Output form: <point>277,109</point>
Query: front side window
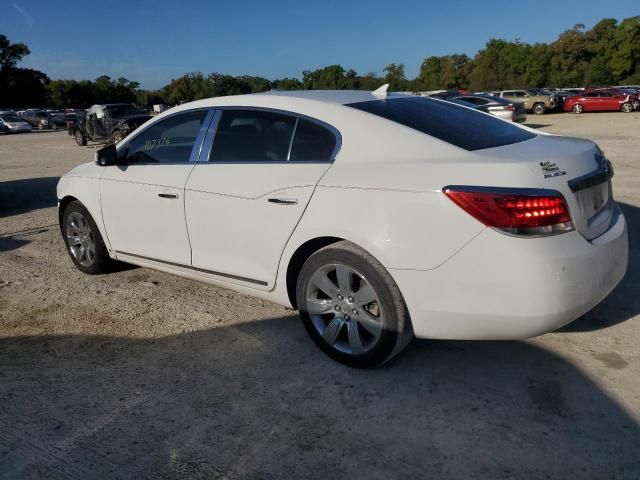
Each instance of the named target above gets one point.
<point>312,142</point>
<point>252,136</point>
<point>167,141</point>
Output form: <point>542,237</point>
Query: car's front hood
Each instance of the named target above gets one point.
<point>139,118</point>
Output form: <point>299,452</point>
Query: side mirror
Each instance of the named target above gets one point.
<point>107,156</point>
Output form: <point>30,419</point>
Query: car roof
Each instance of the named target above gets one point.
<point>339,97</point>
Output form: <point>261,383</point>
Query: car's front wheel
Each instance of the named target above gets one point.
<point>577,108</point>
<point>351,306</point>
<point>627,107</point>
<point>83,240</point>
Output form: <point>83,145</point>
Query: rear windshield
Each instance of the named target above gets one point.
<point>445,121</point>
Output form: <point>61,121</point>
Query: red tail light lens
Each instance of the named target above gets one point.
<point>516,211</point>
<point>509,107</point>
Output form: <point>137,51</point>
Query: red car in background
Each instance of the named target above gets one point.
<point>602,100</point>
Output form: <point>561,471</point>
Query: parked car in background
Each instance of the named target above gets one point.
<point>109,122</point>
<point>533,101</point>
<point>601,100</point>
<point>36,118</point>
<point>496,106</point>
<point>11,123</point>
<point>63,119</point>
<point>379,217</point>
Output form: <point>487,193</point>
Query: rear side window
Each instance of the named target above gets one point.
<point>459,126</point>
<point>252,136</point>
<point>312,142</point>
<point>168,141</point>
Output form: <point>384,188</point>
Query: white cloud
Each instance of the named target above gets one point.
<point>27,17</point>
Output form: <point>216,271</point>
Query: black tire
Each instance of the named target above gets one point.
<point>539,109</point>
<point>577,108</point>
<point>627,107</point>
<point>396,332</point>
<point>101,262</point>
<point>116,137</point>
<point>81,141</point>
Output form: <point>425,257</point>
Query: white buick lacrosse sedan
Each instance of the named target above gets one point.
<point>379,217</point>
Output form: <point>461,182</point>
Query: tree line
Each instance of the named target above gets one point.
<point>606,54</point>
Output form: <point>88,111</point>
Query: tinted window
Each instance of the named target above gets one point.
<point>169,140</point>
<point>445,121</point>
<point>508,93</point>
<point>474,100</point>
<point>252,136</point>
<point>312,142</point>
<point>520,94</point>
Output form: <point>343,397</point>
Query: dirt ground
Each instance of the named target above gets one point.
<point>138,374</point>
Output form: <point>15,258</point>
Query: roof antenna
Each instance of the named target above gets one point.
<point>381,91</point>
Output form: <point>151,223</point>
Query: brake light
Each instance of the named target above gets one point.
<point>516,211</point>
<point>509,107</point>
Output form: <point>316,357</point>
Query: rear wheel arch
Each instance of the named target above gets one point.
<point>299,257</point>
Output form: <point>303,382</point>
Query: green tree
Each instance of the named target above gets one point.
<point>394,76</point>
<point>11,53</point>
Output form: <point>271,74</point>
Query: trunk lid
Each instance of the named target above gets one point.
<point>575,167</point>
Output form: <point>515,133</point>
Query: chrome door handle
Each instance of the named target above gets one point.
<point>168,195</point>
<point>283,201</point>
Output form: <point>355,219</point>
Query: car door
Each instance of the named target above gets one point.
<point>101,119</point>
<point>245,199</point>
<point>590,102</point>
<point>608,101</point>
<point>143,198</point>
<point>524,98</point>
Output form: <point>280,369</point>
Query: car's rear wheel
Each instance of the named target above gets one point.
<point>627,107</point>
<point>539,109</point>
<point>80,140</point>
<point>577,108</point>
<point>83,240</point>
<point>351,307</point>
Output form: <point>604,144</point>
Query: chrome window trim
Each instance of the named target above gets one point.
<point>208,144</point>
<point>293,136</point>
<point>205,151</point>
<point>197,145</point>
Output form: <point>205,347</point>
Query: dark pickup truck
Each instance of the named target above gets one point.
<point>110,122</point>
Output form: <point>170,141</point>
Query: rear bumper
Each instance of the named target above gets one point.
<point>500,287</point>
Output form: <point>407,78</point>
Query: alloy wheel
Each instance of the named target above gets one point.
<point>80,239</point>
<point>344,308</point>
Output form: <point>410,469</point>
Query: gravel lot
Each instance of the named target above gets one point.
<point>138,374</point>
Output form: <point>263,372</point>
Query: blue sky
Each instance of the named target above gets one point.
<point>154,41</point>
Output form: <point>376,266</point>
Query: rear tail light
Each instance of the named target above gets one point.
<point>509,107</point>
<point>526,212</point>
